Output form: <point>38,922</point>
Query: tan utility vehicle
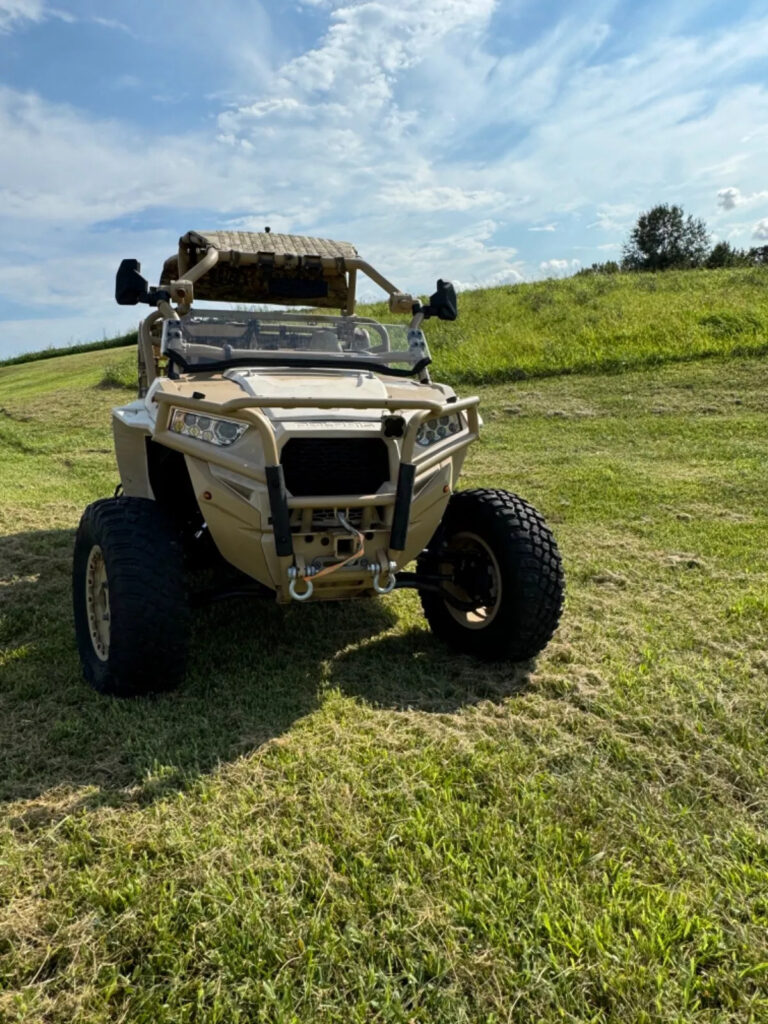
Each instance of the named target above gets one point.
<point>311,452</point>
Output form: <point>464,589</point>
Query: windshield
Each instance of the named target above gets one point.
<point>218,339</point>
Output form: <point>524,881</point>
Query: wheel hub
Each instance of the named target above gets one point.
<point>473,572</point>
<point>474,593</point>
<point>97,603</point>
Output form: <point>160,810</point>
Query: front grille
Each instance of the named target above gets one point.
<point>335,465</point>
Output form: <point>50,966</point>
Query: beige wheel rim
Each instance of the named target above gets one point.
<point>97,602</point>
<point>482,616</point>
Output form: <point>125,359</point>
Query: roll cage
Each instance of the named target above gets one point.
<point>255,268</point>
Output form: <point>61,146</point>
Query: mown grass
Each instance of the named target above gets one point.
<point>336,819</point>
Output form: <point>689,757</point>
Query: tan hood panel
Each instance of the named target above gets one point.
<point>355,383</point>
<point>330,385</point>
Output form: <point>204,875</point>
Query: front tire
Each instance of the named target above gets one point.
<point>131,612</point>
<point>504,584</point>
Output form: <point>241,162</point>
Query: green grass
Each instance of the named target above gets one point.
<point>335,819</point>
<point>120,341</point>
<point>603,323</point>
<point>583,325</point>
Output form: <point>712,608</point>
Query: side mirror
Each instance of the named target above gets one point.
<point>130,286</point>
<point>443,303</point>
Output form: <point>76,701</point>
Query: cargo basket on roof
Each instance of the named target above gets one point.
<point>267,267</point>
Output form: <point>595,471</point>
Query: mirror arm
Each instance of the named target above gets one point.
<point>157,295</point>
<point>417,311</point>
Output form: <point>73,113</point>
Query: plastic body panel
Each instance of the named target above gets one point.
<point>230,483</point>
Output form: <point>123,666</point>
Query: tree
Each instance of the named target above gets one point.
<point>664,238</point>
<point>610,267</point>
<point>758,256</point>
<point>725,255</point>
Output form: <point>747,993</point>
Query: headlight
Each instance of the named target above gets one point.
<point>438,429</point>
<point>213,429</point>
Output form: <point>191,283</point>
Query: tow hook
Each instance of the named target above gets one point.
<point>382,568</point>
<point>294,575</point>
<point>389,575</point>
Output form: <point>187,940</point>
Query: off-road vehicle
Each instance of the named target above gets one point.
<point>310,452</point>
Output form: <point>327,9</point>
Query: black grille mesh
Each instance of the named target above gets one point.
<point>335,465</point>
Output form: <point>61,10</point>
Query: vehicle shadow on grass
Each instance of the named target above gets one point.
<point>254,670</point>
<point>413,671</point>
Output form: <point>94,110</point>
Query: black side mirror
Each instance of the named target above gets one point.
<point>130,286</point>
<point>443,303</point>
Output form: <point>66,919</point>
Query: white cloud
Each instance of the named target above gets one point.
<point>730,198</point>
<point>643,126</point>
<point>351,78</point>
<point>559,268</point>
<point>277,105</point>
<point>63,285</point>
<point>119,26</point>
<point>760,230</point>
<point>439,197</point>
<point>468,257</point>
<point>614,216</point>
<point>61,168</point>
<point>15,12</point>
<point>544,227</point>
<point>510,276</point>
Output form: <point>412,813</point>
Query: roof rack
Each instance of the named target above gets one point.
<point>266,267</point>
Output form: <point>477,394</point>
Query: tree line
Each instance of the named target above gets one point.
<point>665,239</point>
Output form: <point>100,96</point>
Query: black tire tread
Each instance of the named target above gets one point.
<point>148,601</point>
<point>533,582</point>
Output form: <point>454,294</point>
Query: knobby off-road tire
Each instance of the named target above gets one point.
<point>132,617</point>
<point>494,543</point>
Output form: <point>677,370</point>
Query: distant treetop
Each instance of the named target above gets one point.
<point>664,239</point>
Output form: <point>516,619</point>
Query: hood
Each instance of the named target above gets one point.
<point>335,386</point>
<point>330,384</point>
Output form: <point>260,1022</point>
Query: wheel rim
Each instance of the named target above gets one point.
<point>484,614</point>
<point>97,603</point>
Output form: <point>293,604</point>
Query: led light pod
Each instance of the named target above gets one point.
<point>213,429</point>
<point>438,429</point>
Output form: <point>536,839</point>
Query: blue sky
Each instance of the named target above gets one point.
<point>486,141</point>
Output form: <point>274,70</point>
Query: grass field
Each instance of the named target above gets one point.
<point>335,819</point>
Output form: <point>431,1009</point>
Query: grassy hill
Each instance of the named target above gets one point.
<point>121,341</point>
<point>335,819</point>
<point>603,323</point>
<point>584,325</point>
